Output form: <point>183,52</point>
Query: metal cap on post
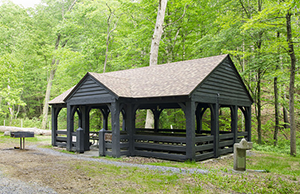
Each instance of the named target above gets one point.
<point>79,140</point>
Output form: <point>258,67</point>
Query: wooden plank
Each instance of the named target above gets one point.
<point>176,157</point>
<point>108,153</point>
<point>204,147</point>
<point>204,156</point>
<point>124,145</point>
<point>108,145</point>
<point>226,136</point>
<point>61,139</point>
<point>226,143</point>
<point>90,93</point>
<point>162,147</point>
<point>61,144</point>
<point>125,153</point>
<point>225,151</point>
<point>159,138</point>
<point>204,139</point>
<point>243,133</point>
<point>91,100</point>
<point>62,132</point>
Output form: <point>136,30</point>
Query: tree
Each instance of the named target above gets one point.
<point>158,31</point>
<point>55,62</point>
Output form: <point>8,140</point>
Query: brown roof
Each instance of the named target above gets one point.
<point>60,99</point>
<point>172,79</point>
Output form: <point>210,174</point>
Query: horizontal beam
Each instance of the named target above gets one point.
<point>160,138</point>
<point>176,157</point>
<point>162,147</point>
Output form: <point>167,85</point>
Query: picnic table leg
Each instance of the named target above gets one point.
<point>23,143</point>
<point>20,143</point>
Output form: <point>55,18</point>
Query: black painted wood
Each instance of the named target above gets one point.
<point>204,156</point>
<point>115,125</point>
<point>162,147</point>
<point>166,156</point>
<point>234,121</point>
<point>190,130</point>
<point>226,82</point>
<point>161,138</point>
<point>204,147</point>
<point>215,127</point>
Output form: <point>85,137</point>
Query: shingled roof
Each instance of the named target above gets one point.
<point>60,99</point>
<point>172,79</point>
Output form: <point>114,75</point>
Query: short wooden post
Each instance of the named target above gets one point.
<point>79,140</point>
<point>102,142</point>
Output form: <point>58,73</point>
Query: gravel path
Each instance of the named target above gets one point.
<point>11,186</point>
<point>150,167</point>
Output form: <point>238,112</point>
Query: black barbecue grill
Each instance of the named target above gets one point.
<point>22,135</point>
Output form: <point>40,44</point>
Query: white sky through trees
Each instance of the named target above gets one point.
<point>26,3</point>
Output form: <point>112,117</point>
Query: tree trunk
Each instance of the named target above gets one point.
<point>158,31</point>
<point>54,64</point>
<point>276,104</point>
<point>259,107</point>
<point>292,84</point>
<point>276,112</point>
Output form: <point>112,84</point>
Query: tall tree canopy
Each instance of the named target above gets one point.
<point>47,49</point>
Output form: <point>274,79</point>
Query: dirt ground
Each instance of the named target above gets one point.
<point>66,175</point>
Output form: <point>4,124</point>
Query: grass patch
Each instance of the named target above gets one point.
<point>277,163</point>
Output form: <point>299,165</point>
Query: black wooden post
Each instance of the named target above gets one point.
<point>124,120</point>
<point>248,122</point>
<point>130,126</point>
<point>189,111</point>
<point>115,125</point>
<point>70,126</point>
<point>234,121</point>
<point>215,127</point>
<point>80,140</point>
<point>198,120</point>
<point>85,124</point>
<point>105,114</point>
<point>102,142</point>
<point>156,114</point>
<point>54,125</point>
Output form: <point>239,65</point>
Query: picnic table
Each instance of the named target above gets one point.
<point>22,135</point>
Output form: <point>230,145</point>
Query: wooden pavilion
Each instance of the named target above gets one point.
<point>193,86</point>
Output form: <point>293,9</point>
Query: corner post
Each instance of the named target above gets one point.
<point>189,111</point>
<point>70,127</point>
<point>234,121</point>
<point>130,124</point>
<point>115,124</point>
<point>54,125</point>
<point>215,127</point>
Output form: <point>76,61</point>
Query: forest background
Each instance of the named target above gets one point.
<point>47,49</point>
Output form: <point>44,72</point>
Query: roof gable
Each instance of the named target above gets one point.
<point>225,82</point>
<point>89,88</point>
